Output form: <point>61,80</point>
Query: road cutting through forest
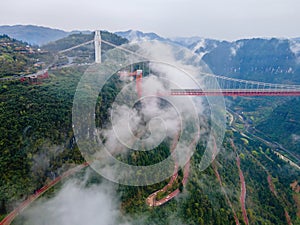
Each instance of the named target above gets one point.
<point>214,166</point>
<point>243,185</point>
<point>224,192</point>
<point>152,199</point>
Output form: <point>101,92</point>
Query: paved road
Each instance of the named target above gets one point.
<point>151,200</point>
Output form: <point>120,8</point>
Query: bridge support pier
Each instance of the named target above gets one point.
<point>97,42</point>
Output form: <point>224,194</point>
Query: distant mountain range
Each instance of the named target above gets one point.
<point>189,42</point>
<point>35,35</point>
<point>135,35</point>
<point>268,60</point>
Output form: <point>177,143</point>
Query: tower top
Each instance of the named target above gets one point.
<point>97,33</point>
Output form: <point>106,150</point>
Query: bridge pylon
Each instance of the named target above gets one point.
<point>97,42</point>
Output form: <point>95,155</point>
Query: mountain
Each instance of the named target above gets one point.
<point>186,41</point>
<point>283,125</point>
<point>196,44</point>
<point>86,53</point>
<point>295,48</point>
<point>35,35</point>
<point>268,60</point>
<point>203,46</point>
<point>33,116</point>
<point>135,35</point>
<point>296,39</point>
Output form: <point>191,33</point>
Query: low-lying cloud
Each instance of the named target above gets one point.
<point>77,204</point>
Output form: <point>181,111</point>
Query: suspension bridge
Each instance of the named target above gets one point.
<point>214,85</point>
<point>225,86</point>
<point>236,92</point>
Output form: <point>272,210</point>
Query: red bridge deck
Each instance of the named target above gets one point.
<point>235,92</point>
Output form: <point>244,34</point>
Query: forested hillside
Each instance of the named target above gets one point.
<point>37,140</point>
<point>84,53</point>
<point>18,58</point>
<point>36,133</point>
<point>268,60</point>
<point>283,125</point>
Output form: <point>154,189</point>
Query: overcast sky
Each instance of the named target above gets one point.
<point>221,19</point>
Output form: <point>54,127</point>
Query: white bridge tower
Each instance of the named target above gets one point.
<point>97,42</point>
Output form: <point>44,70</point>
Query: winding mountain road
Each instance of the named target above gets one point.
<point>152,199</point>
